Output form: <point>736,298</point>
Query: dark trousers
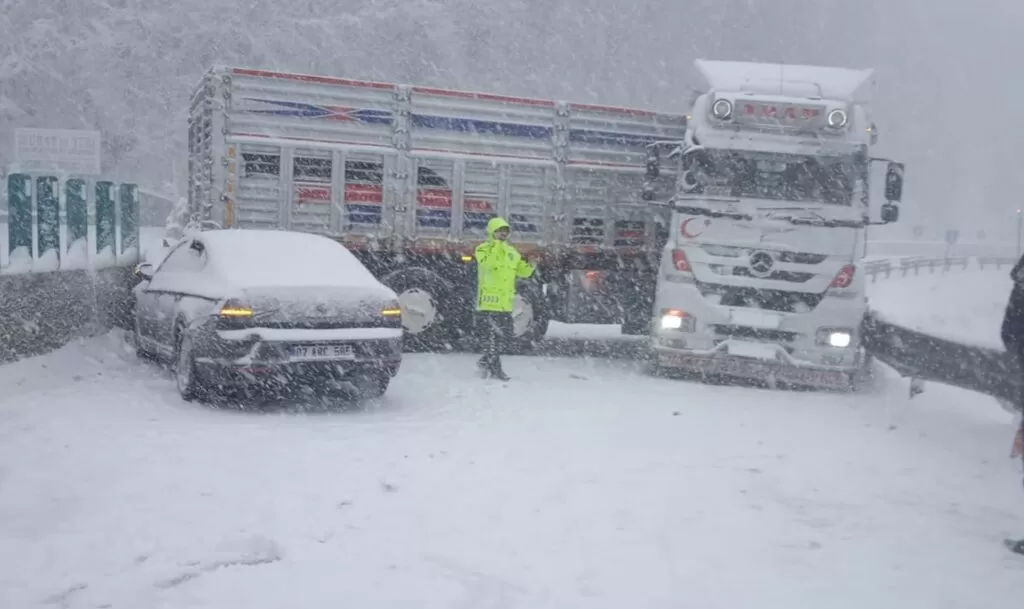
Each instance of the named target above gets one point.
<point>495,330</point>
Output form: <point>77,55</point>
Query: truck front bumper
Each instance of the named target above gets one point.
<point>819,348</point>
<point>783,370</point>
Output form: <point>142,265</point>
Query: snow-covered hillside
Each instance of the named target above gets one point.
<point>128,69</point>
<point>582,483</point>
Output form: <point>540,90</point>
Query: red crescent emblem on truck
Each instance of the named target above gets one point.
<point>686,233</point>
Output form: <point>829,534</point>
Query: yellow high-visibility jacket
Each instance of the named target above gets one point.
<point>499,265</point>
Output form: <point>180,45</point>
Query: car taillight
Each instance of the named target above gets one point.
<point>680,262</point>
<point>844,277</point>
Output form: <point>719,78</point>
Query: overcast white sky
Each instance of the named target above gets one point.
<point>947,72</point>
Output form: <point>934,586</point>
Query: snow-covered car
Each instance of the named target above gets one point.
<point>268,310</point>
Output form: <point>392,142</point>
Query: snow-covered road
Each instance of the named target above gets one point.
<point>583,483</point>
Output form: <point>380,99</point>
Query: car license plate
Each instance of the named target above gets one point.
<point>319,352</point>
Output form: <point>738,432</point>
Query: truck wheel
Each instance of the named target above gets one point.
<point>636,323</point>
<point>190,385</point>
<point>425,300</point>
<point>637,305</point>
<point>530,318</point>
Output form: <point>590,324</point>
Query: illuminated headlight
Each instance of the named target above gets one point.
<point>671,322</point>
<point>838,338</point>
<point>721,109</point>
<point>674,319</point>
<point>837,119</point>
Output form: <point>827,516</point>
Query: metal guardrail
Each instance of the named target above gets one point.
<point>885,268</point>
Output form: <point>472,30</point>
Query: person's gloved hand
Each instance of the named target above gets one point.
<point>1018,444</point>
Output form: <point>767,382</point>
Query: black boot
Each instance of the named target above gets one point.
<point>496,371</point>
<point>1015,545</point>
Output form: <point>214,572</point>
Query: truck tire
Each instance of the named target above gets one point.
<point>530,318</point>
<point>426,301</point>
<point>637,305</point>
<point>636,322</point>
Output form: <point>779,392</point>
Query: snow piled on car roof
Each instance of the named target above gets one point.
<point>278,258</point>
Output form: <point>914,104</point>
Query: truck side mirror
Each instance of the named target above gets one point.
<point>890,212</point>
<point>894,183</point>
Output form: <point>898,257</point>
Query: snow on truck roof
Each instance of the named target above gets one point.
<point>435,91</point>
<point>253,257</point>
<point>841,84</point>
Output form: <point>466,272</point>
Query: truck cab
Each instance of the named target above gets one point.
<point>760,275</point>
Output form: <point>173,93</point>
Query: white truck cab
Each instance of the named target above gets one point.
<point>759,277</point>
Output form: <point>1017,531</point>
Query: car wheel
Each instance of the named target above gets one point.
<point>189,384</point>
<point>140,351</point>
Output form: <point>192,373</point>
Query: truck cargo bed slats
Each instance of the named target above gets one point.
<point>311,190</point>
<point>528,198</point>
<point>481,198</point>
<point>434,196</point>
<point>363,197</point>
<point>468,125</point>
<point>398,166</point>
<point>311,111</point>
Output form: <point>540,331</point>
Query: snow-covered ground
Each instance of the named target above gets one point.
<point>964,305</point>
<point>582,483</point>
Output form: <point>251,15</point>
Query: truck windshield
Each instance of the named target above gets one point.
<point>764,175</point>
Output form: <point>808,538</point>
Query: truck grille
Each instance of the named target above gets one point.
<point>746,332</point>
<point>728,251</point>
<point>771,300</point>
<point>790,276</point>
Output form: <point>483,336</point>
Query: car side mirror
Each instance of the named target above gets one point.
<point>145,270</point>
<point>894,182</point>
<point>890,212</point>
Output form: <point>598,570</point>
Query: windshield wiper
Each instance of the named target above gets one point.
<point>704,211</point>
<point>817,220</point>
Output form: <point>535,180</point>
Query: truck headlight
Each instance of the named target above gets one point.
<point>675,319</point>
<point>722,109</point>
<point>835,337</point>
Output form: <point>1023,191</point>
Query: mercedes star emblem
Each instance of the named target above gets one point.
<point>761,264</point>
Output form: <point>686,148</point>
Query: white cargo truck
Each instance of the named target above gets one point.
<point>408,176</point>
<point>770,208</point>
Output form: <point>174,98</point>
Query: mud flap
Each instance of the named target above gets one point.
<point>924,357</point>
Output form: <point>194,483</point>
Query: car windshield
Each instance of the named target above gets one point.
<point>765,175</point>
